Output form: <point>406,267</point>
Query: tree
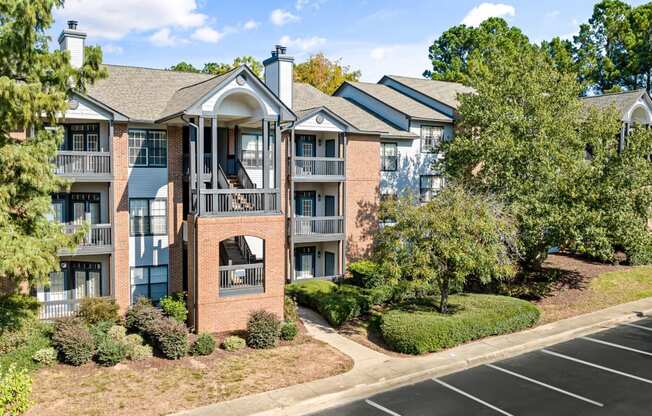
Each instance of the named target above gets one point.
<point>461,47</point>
<point>324,74</point>
<point>455,236</point>
<point>35,85</point>
<point>560,52</point>
<point>218,68</point>
<point>640,45</point>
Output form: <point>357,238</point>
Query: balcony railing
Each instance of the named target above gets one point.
<point>89,164</point>
<point>324,167</point>
<point>238,201</point>
<point>208,168</point>
<point>98,237</point>
<point>242,279</point>
<point>54,309</point>
<point>308,228</point>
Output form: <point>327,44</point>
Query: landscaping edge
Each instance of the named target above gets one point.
<point>396,372</point>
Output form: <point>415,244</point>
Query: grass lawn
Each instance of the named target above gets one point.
<point>592,286</point>
<point>156,386</point>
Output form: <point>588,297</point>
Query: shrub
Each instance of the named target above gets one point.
<point>110,352</point>
<point>14,338</point>
<point>365,273</point>
<point>290,310</point>
<point>141,314</point>
<point>418,329</point>
<point>175,307</point>
<point>170,337</point>
<point>308,293</point>
<point>94,310</point>
<point>117,333</point>
<point>100,330</point>
<point>73,341</point>
<point>139,352</point>
<point>263,329</point>
<point>134,339</point>
<point>233,343</point>
<point>289,331</point>
<point>45,356</point>
<point>15,388</point>
<point>16,310</point>
<point>203,345</point>
<point>18,347</point>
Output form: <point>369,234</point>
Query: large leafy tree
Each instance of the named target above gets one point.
<point>455,236</point>
<point>35,84</point>
<point>219,68</point>
<point>324,74</point>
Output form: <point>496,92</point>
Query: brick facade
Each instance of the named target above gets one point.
<point>121,289</point>
<point>175,208</point>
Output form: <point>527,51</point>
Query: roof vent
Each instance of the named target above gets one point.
<point>279,50</point>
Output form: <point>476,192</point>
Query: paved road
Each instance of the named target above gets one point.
<point>606,373</point>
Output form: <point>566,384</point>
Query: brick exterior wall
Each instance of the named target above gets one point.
<point>362,194</point>
<point>120,215</point>
<point>175,208</point>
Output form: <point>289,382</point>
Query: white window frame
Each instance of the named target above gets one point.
<point>430,141</point>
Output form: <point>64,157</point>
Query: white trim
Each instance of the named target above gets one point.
<point>622,347</point>
<point>476,399</point>
<point>610,370</point>
<point>379,407</point>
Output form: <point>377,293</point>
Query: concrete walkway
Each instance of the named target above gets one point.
<point>376,372</point>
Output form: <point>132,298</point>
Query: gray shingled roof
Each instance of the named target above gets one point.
<point>621,101</point>
<point>399,101</point>
<point>306,98</point>
<point>142,94</point>
<point>442,91</point>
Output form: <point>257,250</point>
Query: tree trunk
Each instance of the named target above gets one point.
<point>443,300</point>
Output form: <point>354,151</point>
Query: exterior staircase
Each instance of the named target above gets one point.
<point>239,202</point>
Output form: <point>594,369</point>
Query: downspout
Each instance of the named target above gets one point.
<point>194,233</point>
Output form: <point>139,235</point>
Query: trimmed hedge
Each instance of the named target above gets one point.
<point>141,314</point>
<point>338,304</point>
<point>418,329</point>
<point>203,345</point>
<point>263,330</point>
<point>94,310</point>
<point>169,336</point>
<point>289,331</point>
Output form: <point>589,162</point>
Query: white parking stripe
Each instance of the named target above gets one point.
<point>577,360</point>
<point>379,407</point>
<point>611,344</point>
<point>531,380</point>
<point>463,393</point>
<point>639,327</point>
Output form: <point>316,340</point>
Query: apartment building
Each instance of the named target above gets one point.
<point>227,187</point>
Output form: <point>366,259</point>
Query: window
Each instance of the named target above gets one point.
<point>388,157</point>
<point>82,138</point>
<point>429,186</point>
<point>147,216</point>
<point>149,282</point>
<point>148,148</point>
<point>251,154</point>
<point>431,138</point>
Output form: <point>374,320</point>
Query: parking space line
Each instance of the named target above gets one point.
<point>557,389</point>
<point>379,407</point>
<point>610,370</point>
<point>463,393</point>
<point>611,344</point>
<point>638,326</point>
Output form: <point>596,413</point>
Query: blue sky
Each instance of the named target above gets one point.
<point>378,37</point>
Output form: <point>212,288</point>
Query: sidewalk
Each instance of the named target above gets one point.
<point>374,372</point>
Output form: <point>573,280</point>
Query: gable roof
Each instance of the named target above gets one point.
<point>398,101</point>
<point>445,92</point>
<point>621,101</point>
<point>306,99</point>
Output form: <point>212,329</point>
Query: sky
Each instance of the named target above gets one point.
<point>376,37</point>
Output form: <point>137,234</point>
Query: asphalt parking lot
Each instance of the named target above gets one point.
<point>605,373</point>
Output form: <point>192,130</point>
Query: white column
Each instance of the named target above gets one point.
<point>200,163</point>
<point>214,150</point>
<point>291,176</point>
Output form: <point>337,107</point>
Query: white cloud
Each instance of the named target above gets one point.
<point>164,37</point>
<point>315,4</point>
<point>304,44</point>
<point>112,49</point>
<point>250,25</point>
<point>117,18</point>
<point>280,17</point>
<point>483,11</point>
<point>300,4</point>
<point>207,34</point>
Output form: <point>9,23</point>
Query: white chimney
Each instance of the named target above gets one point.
<point>73,41</point>
<point>279,74</point>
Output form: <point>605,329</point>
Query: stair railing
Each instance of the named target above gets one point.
<point>243,176</point>
<point>244,249</point>
<point>222,181</point>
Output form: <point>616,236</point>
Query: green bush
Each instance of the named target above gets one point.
<point>203,345</point>
<point>366,274</point>
<point>175,307</point>
<point>308,292</point>
<point>169,336</point>
<point>263,329</point>
<point>420,328</point>
<point>233,343</point>
<point>110,352</point>
<point>141,314</point>
<point>45,357</point>
<point>15,389</point>
<point>407,290</point>
<point>290,310</point>
<point>100,330</point>
<point>289,331</point>
<point>15,311</point>
<point>134,339</point>
<point>73,341</point>
<point>18,347</point>
<point>139,352</point>
<point>117,333</point>
<point>94,310</point>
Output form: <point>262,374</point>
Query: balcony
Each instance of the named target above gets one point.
<point>96,241</point>
<point>242,279</point>
<point>225,202</point>
<point>83,166</point>
<point>318,169</point>
<point>312,229</point>
<point>54,309</point>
